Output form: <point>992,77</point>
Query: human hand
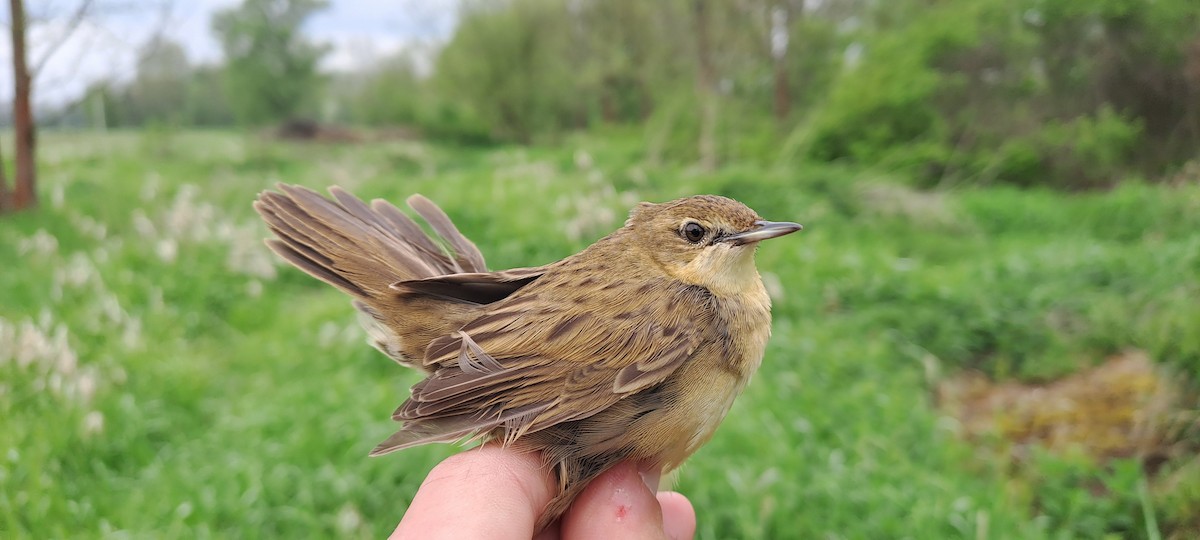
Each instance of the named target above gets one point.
<point>494,493</point>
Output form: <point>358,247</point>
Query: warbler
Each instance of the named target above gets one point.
<point>632,349</point>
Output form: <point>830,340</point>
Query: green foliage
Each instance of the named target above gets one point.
<point>160,88</point>
<point>815,60</point>
<point>1063,492</point>
<point>505,66</point>
<point>1085,151</point>
<point>391,94</point>
<point>167,90</point>
<point>878,107</point>
<point>167,357</point>
<point>942,93</point>
<point>271,69</point>
<point>1024,93</point>
<point>1069,94</point>
<point>208,105</point>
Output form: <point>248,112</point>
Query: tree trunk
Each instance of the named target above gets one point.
<point>706,87</point>
<point>24,194</point>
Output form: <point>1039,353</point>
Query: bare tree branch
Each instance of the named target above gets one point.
<point>72,24</point>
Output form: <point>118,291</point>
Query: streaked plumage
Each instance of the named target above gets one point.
<point>631,349</point>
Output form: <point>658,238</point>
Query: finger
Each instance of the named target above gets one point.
<point>615,505</point>
<point>679,518</point>
<point>487,492</point>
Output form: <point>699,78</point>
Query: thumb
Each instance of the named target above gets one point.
<point>618,504</point>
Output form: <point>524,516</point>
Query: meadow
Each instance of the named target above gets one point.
<point>162,375</point>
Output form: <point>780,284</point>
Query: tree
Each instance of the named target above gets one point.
<point>507,70</point>
<point>779,36</point>
<point>271,70</point>
<point>24,192</point>
<point>706,85</point>
<point>160,88</point>
<point>4,194</point>
<point>390,93</point>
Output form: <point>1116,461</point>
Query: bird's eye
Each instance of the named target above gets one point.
<point>693,232</point>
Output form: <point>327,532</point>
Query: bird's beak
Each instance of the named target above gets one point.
<point>763,230</point>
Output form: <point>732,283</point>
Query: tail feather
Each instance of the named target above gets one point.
<point>362,249</point>
<point>314,265</point>
<point>405,226</point>
<point>407,235</point>
<point>466,254</point>
<point>365,249</point>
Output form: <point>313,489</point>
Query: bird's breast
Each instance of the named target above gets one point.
<point>703,393</point>
<point>705,388</point>
<point>745,322</point>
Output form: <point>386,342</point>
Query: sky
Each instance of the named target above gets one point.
<point>105,45</point>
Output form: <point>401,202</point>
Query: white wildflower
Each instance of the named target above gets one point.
<point>88,226</point>
<point>78,271</point>
<point>93,423</point>
<point>246,254</point>
<point>583,160</point>
<point>83,387</point>
<point>131,335</point>
<point>166,249</point>
<point>590,213</point>
<point>110,307</point>
<point>42,243</point>
<point>44,349</point>
<point>349,519</point>
<point>327,334</point>
<point>142,225</point>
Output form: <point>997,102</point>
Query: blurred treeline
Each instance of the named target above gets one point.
<point>1065,93</point>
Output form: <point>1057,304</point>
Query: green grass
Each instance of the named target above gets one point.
<point>165,377</point>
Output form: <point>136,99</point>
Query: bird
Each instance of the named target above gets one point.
<point>632,349</point>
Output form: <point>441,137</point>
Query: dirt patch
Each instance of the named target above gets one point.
<point>308,130</point>
<point>1124,407</point>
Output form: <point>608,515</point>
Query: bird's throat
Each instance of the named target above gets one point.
<point>726,271</point>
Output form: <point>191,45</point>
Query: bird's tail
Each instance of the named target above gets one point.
<point>365,249</point>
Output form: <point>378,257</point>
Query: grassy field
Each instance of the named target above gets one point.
<point>161,375</point>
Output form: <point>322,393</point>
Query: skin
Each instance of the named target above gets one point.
<point>507,491</point>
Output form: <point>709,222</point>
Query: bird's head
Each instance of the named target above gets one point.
<point>704,240</point>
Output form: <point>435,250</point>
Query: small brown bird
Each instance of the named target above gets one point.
<point>632,349</point>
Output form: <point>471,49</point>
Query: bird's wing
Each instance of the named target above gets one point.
<point>475,287</point>
<point>525,369</point>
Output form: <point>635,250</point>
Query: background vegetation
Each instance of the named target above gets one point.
<point>988,329</point>
<point>1062,93</point>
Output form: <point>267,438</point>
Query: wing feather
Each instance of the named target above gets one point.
<point>556,367</point>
